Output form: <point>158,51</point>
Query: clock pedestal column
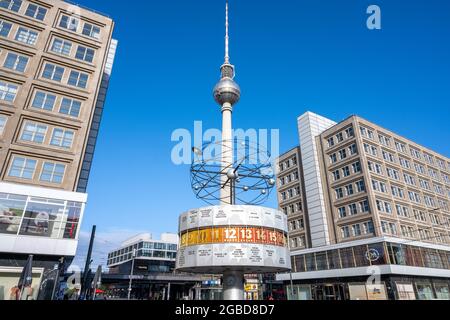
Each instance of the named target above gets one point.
<point>233,285</point>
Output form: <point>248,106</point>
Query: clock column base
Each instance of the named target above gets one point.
<point>233,285</point>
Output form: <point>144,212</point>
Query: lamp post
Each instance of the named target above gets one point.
<point>131,274</point>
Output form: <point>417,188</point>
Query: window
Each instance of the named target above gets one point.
<point>409,179</point>
<point>356,167</point>
<point>419,168</point>
<point>360,186</point>
<point>70,107</point>
<point>345,232</point>
<point>415,153</point>
<point>414,196</point>
<point>392,173</point>
<point>61,46</point>
<point>53,72</point>
<point>34,132</point>
<point>388,228</point>
<point>364,206</point>
<point>356,229</point>
<point>52,172</point>
<point>26,36</point>
<point>5,28</point>
<point>91,31</point>
<point>375,167</point>
<point>368,227</point>
<point>342,154</point>
<point>379,186</point>
<point>402,211</point>
<point>342,212</point>
<point>346,171</point>
<point>13,5</point>
<point>400,147</point>
<point>333,158</point>
<point>404,163</point>
<point>330,142</point>
<point>62,138</point>
<point>85,54</point>
<point>349,189</point>
<point>339,137</point>
<point>388,156</point>
<point>419,215</point>
<point>8,91</point>
<point>353,209</point>
<point>384,140</point>
<point>349,132</point>
<point>339,193</point>
<point>352,149</point>
<point>16,62</point>
<point>397,192</point>
<point>3,120</point>
<point>69,23</point>
<point>44,101</point>
<point>336,175</point>
<point>78,79</point>
<point>36,12</point>
<point>372,150</point>
<point>22,168</point>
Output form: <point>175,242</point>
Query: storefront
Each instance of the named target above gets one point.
<point>9,278</point>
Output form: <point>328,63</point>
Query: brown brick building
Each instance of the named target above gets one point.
<point>55,62</point>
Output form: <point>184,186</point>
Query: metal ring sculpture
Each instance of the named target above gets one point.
<point>250,174</point>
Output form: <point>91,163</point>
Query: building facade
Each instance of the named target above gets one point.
<point>373,199</point>
<point>55,62</point>
<point>152,264</point>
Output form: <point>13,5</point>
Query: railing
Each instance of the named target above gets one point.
<point>86,8</point>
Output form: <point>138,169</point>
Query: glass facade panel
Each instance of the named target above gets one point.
<point>424,291</point>
<point>432,259</point>
<point>310,262</point>
<point>39,217</point>
<point>378,249</point>
<point>299,263</point>
<point>11,212</point>
<point>442,291</point>
<point>321,261</point>
<point>360,253</point>
<point>333,259</point>
<point>347,258</point>
<point>397,254</point>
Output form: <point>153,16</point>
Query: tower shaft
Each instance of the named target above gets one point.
<point>226,193</point>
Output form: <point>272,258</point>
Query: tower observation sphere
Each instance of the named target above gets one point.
<point>227,91</point>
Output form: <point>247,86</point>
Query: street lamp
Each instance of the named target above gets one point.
<point>131,274</point>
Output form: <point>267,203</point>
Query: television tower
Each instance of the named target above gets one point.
<point>227,93</point>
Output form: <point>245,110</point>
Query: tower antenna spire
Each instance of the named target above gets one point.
<point>227,38</point>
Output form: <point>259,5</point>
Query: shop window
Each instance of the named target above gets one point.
<point>424,291</point>
<point>405,291</point>
<point>442,291</point>
<point>11,212</point>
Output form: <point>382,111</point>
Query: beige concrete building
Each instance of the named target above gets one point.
<point>370,198</point>
<point>291,198</point>
<point>55,62</point>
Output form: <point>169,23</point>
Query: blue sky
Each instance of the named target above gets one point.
<point>291,56</point>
